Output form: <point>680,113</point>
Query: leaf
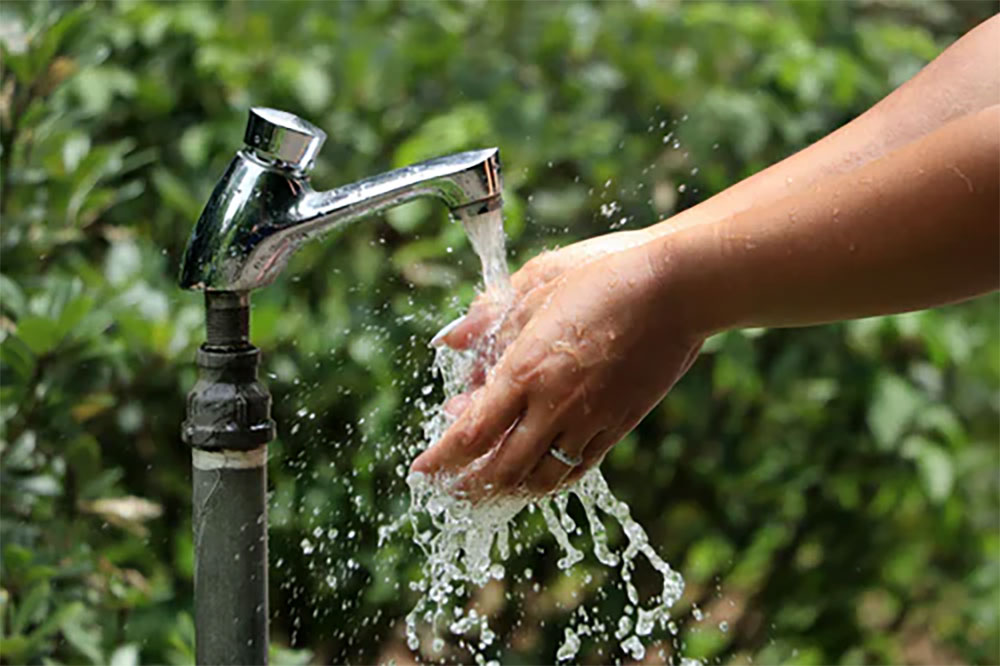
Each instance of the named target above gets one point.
<point>40,334</point>
<point>92,405</point>
<point>97,87</point>
<point>122,263</point>
<point>126,655</point>
<point>31,608</point>
<point>53,38</point>
<point>289,657</point>
<point>934,464</point>
<point>15,649</point>
<point>407,218</point>
<point>11,296</point>
<point>44,485</point>
<point>195,143</point>
<point>74,149</point>
<point>17,355</point>
<point>313,86</point>
<point>101,161</point>
<point>15,558</point>
<point>893,407</point>
<point>102,483</point>
<point>73,313</point>
<point>40,572</point>
<point>176,194</point>
<point>85,639</point>
<point>64,614</point>
<point>462,128</point>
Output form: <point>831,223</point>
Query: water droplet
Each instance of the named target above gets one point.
<point>467,544</point>
<point>634,647</point>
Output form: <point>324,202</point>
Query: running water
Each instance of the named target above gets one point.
<point>466,544</point>
<point>486,235</point>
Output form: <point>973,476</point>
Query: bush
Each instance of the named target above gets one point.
<point>830,493</point>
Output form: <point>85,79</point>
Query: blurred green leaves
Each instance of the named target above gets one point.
<point>830,494</point>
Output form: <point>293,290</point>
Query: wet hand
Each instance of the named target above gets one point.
<point>592,358</point>
<point>531,286</point>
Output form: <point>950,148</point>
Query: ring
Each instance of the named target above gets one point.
<point>565,458</point>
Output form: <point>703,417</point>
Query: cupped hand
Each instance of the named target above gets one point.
<point>531,284</point>
<point>593,357</point>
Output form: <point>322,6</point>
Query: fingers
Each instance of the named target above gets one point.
<point>517,456</point>
<point>465,332</point>
<point>477,429</point>
<point>550,472</point>
<point>594,452</point>
<point>462,333</point>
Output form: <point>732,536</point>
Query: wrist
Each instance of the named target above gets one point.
<point>696,279</point>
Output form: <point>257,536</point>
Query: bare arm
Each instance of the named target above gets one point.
<point>917,228</point>
<point>964,79</point>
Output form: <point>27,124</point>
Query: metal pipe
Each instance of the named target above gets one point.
<point>262,210</point>
<point>228,427</point>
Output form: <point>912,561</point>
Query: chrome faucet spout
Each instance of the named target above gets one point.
<point>263,208</point>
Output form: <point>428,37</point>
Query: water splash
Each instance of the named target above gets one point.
<point>466,544</point>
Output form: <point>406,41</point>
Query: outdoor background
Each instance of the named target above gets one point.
<point>831,493</point>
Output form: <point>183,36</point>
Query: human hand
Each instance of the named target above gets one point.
<point>533,279</point>
<point>591,360</point>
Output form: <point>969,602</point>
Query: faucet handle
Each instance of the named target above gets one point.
<point>283,138</point>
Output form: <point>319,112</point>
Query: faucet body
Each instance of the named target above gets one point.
<point>259,213</point>
<point>264,207</point>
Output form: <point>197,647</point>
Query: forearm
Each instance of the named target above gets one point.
<point>915,229</point>
<point>964,79</point>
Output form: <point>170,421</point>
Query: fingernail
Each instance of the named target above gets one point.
<point>436,341</point>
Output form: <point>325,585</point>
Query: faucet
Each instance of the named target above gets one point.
<point>264,207</point>
<point>260,212</point>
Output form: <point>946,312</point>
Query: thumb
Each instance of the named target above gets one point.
<point>463,332</point>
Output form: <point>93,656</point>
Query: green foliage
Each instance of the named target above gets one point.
<point>830,493</point>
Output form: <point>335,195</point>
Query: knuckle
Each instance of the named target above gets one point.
<point>522,373</point>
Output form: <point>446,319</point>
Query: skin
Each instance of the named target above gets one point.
<point>964,79</point>
<point>917,228</point>
<point>597,340</point>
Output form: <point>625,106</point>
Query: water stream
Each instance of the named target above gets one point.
<point>466,545</point>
